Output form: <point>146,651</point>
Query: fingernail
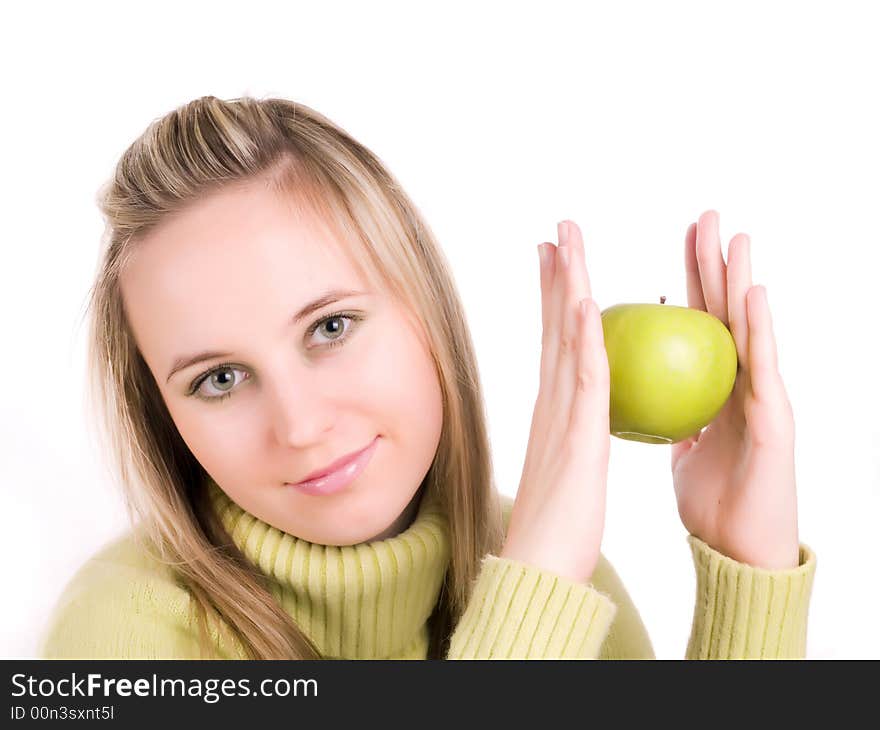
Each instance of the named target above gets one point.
<point>562,232</point>
<point>542,253</point>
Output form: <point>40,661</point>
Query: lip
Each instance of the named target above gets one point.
<point>341,473</point>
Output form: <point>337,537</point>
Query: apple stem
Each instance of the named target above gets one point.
<point>662,300</point>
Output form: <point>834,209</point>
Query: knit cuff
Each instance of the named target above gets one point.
<point>745,612</point>
<point>518,611</point>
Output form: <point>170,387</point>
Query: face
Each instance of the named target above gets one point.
<point>282,398</point>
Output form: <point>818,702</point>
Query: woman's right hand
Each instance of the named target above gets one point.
<point>559,514</point>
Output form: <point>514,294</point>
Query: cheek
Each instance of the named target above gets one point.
<point>399,378</point>
<point>218,435</point>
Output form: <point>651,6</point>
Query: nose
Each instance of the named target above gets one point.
<point>300,412</point>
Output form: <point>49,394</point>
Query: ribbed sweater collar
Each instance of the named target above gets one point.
<point>366,601</point>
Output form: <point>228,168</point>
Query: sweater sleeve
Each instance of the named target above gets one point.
<point>118,607</point>
<point>745,612</point>
<point>518,611</point>
<point>115,619</point>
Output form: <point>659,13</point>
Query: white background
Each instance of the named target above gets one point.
<point>499,119</point>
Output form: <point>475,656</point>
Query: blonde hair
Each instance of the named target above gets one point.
<point>205,145</point>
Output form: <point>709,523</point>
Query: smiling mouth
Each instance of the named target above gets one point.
<point>340,477</point>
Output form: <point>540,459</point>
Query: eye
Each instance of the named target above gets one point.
<point>337,331</point>
<point>219,378</point>
<point>222,380</point>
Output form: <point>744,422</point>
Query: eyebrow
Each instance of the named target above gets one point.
<point>334,295</point>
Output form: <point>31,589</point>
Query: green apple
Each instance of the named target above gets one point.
<point>672,370</point>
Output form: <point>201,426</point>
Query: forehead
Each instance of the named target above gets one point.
<point>232,233</point>
<point>232,256</point>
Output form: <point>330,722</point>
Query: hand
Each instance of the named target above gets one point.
<point>735,481</point>
<point>559,514</point>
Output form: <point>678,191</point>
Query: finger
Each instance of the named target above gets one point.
<point>590,418</point>
<point>553,284</point>
<point>557,293</point>
<point>739,279</point>
<point>713,271</point>
<point>548,264</point>
<point>555,342</point>
<point>573,288</point>
<point>763,364</point>
<point>694,287</point>
<point>581,282</point>
<point>557,335</point>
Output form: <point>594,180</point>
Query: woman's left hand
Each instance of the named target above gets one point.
<point>735,480</point>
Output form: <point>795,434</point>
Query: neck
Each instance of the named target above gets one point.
<point>404,520</point>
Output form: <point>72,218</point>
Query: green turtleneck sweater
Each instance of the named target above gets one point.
<point>373,601</point>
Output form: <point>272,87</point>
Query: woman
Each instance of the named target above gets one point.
<point>272,307</point>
